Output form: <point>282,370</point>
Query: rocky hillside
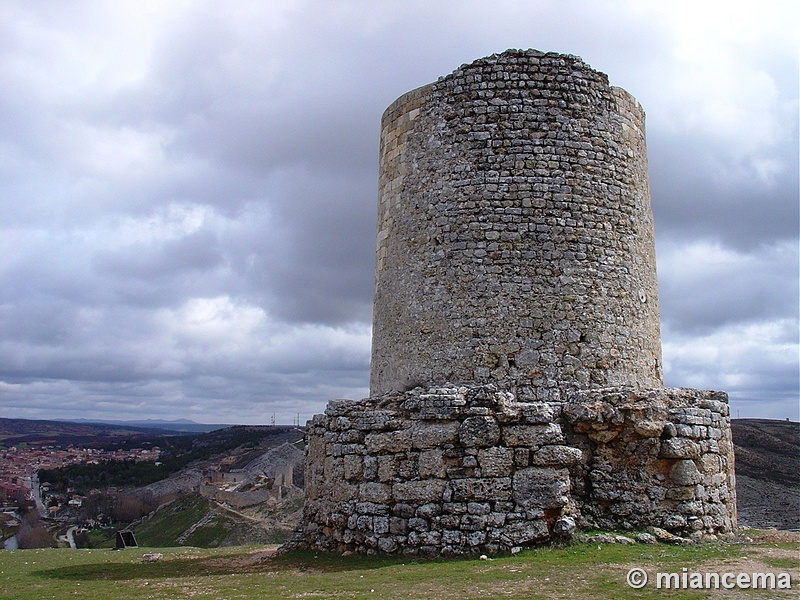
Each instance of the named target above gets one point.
<point>192,520</point>
<point>244,496</point>
<point>767,472</point>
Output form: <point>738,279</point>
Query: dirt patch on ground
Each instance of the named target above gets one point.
<point>770,536</point>
<point>243,562</point>
<point>766,551</point>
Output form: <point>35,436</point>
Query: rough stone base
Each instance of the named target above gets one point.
<point>461,470</point>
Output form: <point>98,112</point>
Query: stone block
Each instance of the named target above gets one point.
<point>537,413</point>
<point>429,510</point>
<point>334,468</point>
<point>398,526</point>
<point>363,522</point>
<point>430,538</point>
<point>495,519</point>
<point>387,467</point>
<point>481,489</point>
<point>684,472</point>
<point>519,533</point>
<point>370,467</point>
<point>710,464</point>
<point>496,462</point>
<point>538,488</point>
<point>603,435</point>
<point>454,508</point>
<point>473,522</point>
<point>387,545</point>
<point>564,527</point>
<point>375,420</point>
<point>452,536</point>
<point>476,538</point>
<point>691,507</point>
<point>431,463</point>
<point>427,434</point>
<point>429,490</point>
<point>649,428</point>
<point>380,524</point>
<point>686,492</point>
<point>353,467</point>
<point>679,448</point>
<point>446,521</point>
<point>374,492</point>
<point>343,492</point>
<point>371,508</point>
<point>557,456</point>
<point>532,435</point>
<point>389,441</point>
<point>336,408</point>
<point>478,508</point>
<point>479,432</point>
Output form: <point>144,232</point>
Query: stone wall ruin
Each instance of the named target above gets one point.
<point>516,388</point>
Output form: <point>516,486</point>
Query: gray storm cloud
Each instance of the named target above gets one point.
<point>188,192</point>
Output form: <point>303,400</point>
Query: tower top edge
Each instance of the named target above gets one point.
<point>508,57</point>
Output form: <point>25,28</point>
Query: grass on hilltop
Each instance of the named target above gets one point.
<point>577,571</point>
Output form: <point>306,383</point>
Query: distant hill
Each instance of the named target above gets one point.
<point>92,432</point>
<point>179,425</point>
<point>59,433</point>
<point>767,462</point>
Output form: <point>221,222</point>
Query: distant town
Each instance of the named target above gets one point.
<point>19,464</point>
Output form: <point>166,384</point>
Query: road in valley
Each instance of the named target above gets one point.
<point>36,495</point>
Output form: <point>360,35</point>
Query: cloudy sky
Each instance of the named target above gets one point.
<point>188,191</point>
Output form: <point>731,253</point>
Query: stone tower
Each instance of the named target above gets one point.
<point>516,388</point>
<point>515,235</point>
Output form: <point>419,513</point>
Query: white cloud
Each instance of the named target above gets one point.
<point>753,362</point>
<point>704,285</point>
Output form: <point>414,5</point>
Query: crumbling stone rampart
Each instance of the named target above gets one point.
<point>516,369</point>
<point>469,469</point>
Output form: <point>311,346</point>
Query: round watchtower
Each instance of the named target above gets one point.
<point>515,234</point>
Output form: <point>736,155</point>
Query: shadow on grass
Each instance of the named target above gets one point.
<point>227,564</point>
<point>308,561</point>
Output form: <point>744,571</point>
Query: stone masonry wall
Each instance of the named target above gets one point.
<point>470,470</point>
<point>515,235</point>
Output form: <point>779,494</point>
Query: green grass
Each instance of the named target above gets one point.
<point>100,538</point>
<point>579,571</point>
<point>167,524</point>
